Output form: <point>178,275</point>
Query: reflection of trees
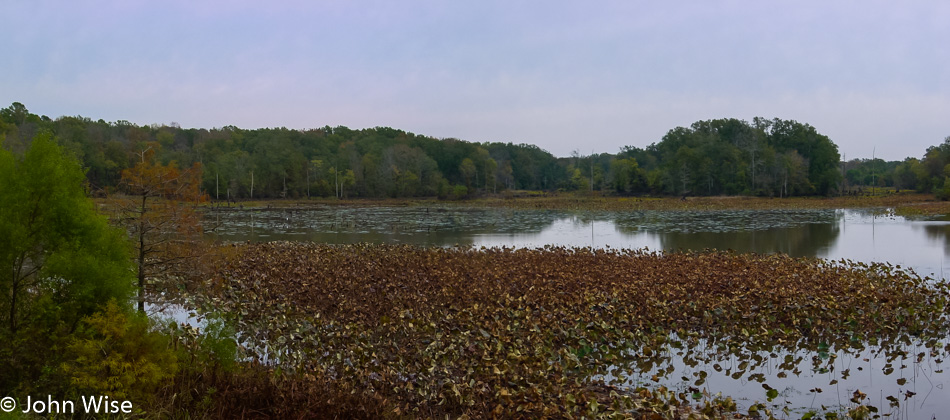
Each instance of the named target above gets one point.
<point>798,241</point>
<point>939,232</point>
<point>797,234</point>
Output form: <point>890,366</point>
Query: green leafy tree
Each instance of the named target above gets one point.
<point>578,181</point>
<point>59,259</point>
<point>625,175</point>
<point>793,173</point>
<point>904,176</point>
<point>468,171</point>
<point>15,114</point>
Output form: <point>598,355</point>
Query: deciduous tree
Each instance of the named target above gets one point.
<point>161,218</point>
<point>59,259</point>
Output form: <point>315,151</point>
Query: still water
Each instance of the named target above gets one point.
<point>855,234</point>
<point>920,386</point>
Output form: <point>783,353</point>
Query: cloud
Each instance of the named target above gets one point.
<point>568,74</point>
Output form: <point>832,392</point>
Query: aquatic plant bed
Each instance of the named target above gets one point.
<point>570,332</point>
<point>904,203</point>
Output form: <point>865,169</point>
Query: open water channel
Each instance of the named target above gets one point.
<point>917,382</point>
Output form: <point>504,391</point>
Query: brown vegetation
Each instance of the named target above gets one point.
<point>529,333</point>
<point>572,201</point>
<point>911,204</point>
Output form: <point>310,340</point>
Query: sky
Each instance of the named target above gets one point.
<point>591,77</point>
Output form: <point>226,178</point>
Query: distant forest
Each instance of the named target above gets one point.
<point>715,157</point>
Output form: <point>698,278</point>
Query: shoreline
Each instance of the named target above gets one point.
<point>903,204</point>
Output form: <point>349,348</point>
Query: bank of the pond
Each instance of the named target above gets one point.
<point>562,331</point>
<point>905,203</point>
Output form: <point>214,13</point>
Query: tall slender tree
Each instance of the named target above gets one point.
<point>161,218</point>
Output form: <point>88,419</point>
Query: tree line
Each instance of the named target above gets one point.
<point>929,174</point>
<point>714,157</point>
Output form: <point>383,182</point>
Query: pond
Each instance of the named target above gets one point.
<point>906,381</point>
<point>867,235</point>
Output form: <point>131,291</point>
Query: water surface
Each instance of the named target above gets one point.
<point>829,378</point>
<point>854,234</point>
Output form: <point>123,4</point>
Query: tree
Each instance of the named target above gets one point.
<point>313,167</point>
<point>578,181</point>
<point>346,179</point>
<point>59,259</point>
<point>14,114</point>
<point>467,169</point>
<point>162,219</point>
<point>504,173</point>
<point>904,176</point>
<point>625,175</point>
<point>793,174</point>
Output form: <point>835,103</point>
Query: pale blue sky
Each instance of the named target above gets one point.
<point>592,76</point>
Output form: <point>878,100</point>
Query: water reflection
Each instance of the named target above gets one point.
<point>808,240</point>
<point>904,381</point>
<point>797,233</point>
<point>939,232</point>
<point>859,235</point>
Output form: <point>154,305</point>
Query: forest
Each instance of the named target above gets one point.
<point>774,158</point>
<point>395,331</point>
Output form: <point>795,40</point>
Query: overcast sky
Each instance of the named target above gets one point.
<point>587,76</point>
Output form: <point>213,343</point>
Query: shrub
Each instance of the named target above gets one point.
<point>117,354</point>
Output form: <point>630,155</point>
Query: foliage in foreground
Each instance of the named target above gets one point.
<point>59,262</point>
<point>527,333</point>
<point>66,325</point>
<point>119,356</point>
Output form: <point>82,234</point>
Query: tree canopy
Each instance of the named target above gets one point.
<point>59,259</point>
<point>768,157</point>
<point>729,156</point>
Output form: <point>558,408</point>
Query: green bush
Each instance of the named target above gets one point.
<point>117,354</point>
<point>60,261</point>
<point>459,192</point>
